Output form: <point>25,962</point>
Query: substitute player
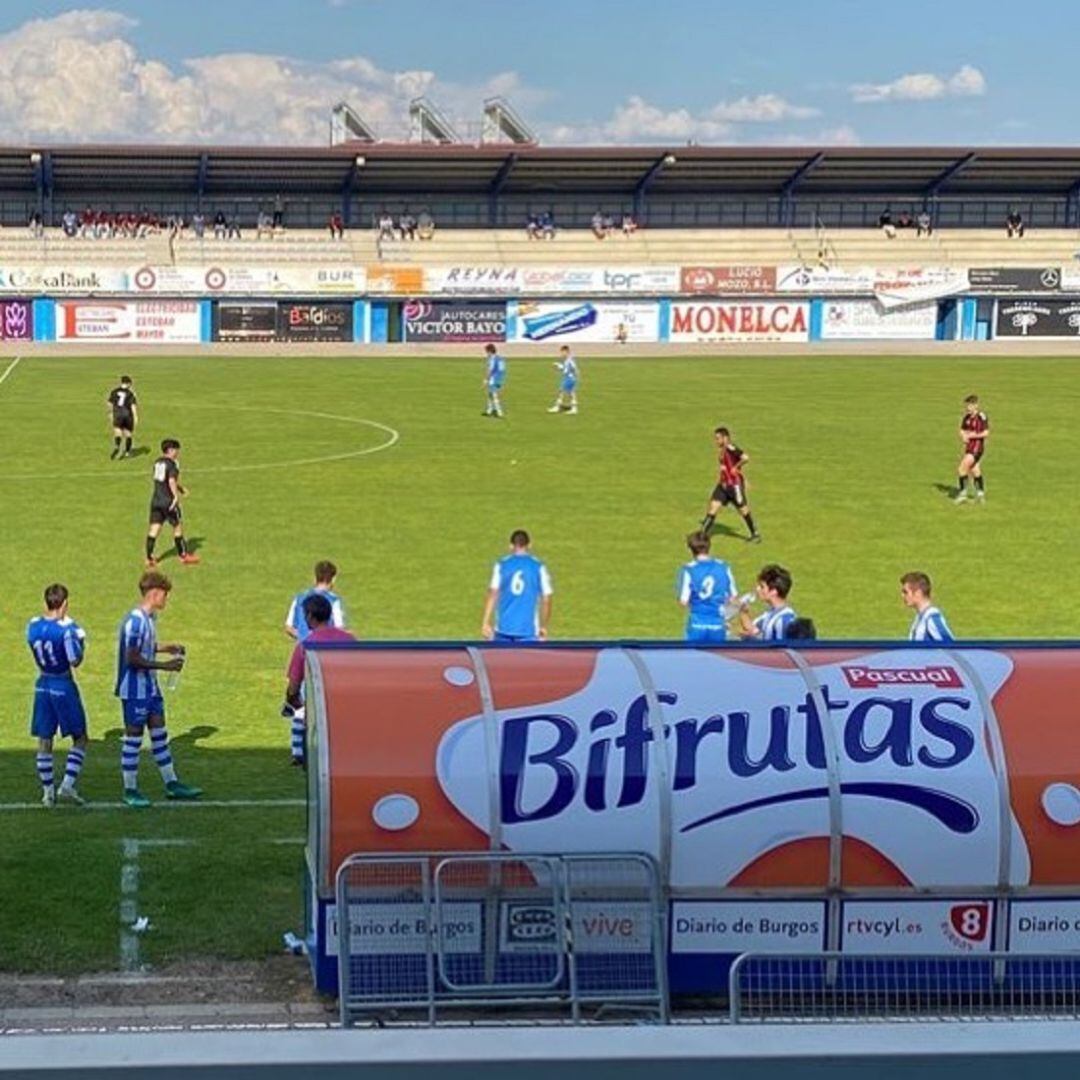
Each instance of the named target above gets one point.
<point>124,408</point>
<point>772,586</point>
<point>974,431</point>
<point>494,380</point>
<point>139,693</point>
<point>566,398</point>
<point>165,504</point>
<point>58,644</point>
<point>929,624</point>
<point>519,596</point>
<point>730,486</point>
<point>705,586</point>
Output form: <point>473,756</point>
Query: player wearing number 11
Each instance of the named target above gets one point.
<point>519,597</point>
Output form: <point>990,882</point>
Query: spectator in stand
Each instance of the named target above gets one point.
<point>629,225</point>
<point>37,230</point>
<point>69,223</point>
<point>1014,224</point>
<point>232,229</point>
<point>198,224</point>
<point>86,221</point>
<point>885,224</point>
<point>337,226</point>
<point>532,227</point>
<point>609,225</point>
<point>407,226</point>
<point>905,220</point>
<point>386,227</point>
<point>924,226</point>
<point>597,226</point>
<point>264,226</point>
<point>219,225</point>
<point>278,220</point>
<point>425,225</point>
<point>547,225</point>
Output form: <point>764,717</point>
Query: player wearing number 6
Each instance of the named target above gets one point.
<point>519,597</point>
<point>705,586</point>
<point>58,644</point>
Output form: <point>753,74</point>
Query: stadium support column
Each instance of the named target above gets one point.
<point>930,195</point>
<point>787,192</point>
<point>641,189</point>
<point>348,184</point>
<point>1072,207</point>
<point>200,180</point>
<point>41,166</point>
<point>495,188</point>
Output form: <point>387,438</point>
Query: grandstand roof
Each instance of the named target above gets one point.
<point>388,167</point>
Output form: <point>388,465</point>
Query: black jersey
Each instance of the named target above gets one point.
<point>165,469</point>
<point>122,399</point>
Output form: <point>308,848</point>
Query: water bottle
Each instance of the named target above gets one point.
<point>173,681</point>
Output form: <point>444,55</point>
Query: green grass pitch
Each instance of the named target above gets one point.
<point>851,458</point>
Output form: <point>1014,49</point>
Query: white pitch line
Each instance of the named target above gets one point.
<point>9,369</point>
<point>129,897</point>
<point>213,804</point>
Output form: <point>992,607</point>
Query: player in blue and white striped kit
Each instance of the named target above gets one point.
<point>929,624</point>
<point>773,585</point>
<point>519,595</point>
<point>58,645</point>
<point>566,398</point>
<point>139,693</point>
<point>494,380</point>
<point>705,585</point>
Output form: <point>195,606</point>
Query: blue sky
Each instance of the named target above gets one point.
<point>828,71</point>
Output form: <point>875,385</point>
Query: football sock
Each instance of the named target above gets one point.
<point>960,485</point>
<point>979,486</point>
<point>75,760</point>
<point>297,738</point>
<point>116,441</point>
<point>159,746</point>
<point>150,542</point>
<point>129,760</point>
<point>181,546</point>
<point>749,519</point>
<point>127,445</point>
<point>707,523</point>
<point>45,769</point>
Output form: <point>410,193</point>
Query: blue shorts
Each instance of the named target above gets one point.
<point>706,634</point>
<point>512,638</point>
<point>137,711</point>
<point>57,706</point>
<point>495,384</point>
<point>568,386</point>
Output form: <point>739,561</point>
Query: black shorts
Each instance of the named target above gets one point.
<point>125,421</point>
<point>975,455</point>
<point>729,494</point>
<point>164,515</point>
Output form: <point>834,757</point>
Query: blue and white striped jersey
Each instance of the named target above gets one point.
<point>772,626</point>
<point>930,625</point>
<point>137,631</point>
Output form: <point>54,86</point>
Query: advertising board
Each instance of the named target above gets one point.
<point>740,320</point>
<point>866,319</point>
<point>1037,318</point>
<point>922,925</point>
<point>1014,279</point>
<point>455,320</point>
<point>248,280</point>
<point>470,280</point>
<point>238,321</point>
<point>132,321</point>
<point>16,320</point>
<point>62,280</point>
<point>1046,924</point>
<point>738,926</point>
<point>543,322</point>
<point>313,320</point>
<point>727,280</point>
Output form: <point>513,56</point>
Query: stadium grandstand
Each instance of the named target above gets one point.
<point>708,204</point>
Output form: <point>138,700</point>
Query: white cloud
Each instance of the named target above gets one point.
<point>842,135</point>
<point>77,77</point>
<point>966,81</point>
<point>763,109</point>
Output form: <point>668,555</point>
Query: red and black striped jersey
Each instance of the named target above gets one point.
<point>976,423</point>
<point>731,459</point>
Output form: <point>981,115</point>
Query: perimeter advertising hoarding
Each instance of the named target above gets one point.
<point>865,319</point>
<point>891,287</point>
<point>455,320</point>
<point>143,322</point>
<point>1013,279</point>
<point>740,320</point>
<point>237,321</point>
<point>551,322</point>
<point>310,321</point>
<point>249,280</point>
<point>1037,319</point>
<point>599,280</point>
<point>726,280</point>
<point>16,320</point>
<point>63,280</point>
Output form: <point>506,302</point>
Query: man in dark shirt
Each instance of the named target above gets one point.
<point>165,504</point>
<point>124,406</point>
<point>730,487</point>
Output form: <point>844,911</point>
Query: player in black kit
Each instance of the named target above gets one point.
<point>124,406</point>
<point>165,503</point>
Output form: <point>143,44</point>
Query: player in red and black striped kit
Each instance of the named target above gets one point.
<point>731,486</point>
<point>974,431</point>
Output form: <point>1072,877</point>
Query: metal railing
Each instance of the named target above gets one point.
<point>835,986</point>
<point>580,934</point>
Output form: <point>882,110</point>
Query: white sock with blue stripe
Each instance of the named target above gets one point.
<point>45,768</point>
<point>159,745</point>
<point>74,765</point>
<point>297,736</point>
<point>130,745</point>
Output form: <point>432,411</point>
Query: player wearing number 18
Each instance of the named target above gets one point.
<point>519,596</point>
<point>165,503</point>
<point>58,644</point>
<point>705,586</point>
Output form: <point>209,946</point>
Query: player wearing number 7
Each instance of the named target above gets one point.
<point>705,586</point>
<point>519,597</point>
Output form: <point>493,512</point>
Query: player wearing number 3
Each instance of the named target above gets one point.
<point>519,597</point>
<point>705,586</point>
